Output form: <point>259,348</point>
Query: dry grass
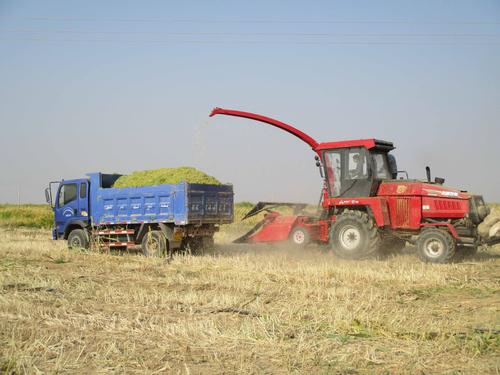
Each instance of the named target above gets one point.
<point>243,310</point>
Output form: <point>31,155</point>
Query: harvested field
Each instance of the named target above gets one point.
<point>243,310</point>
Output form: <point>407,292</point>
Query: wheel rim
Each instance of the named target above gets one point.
<point>433,248</point>
<point>350,237</point>
<point>299,237</point>
<point>75,242</point>
<point>153,246</point>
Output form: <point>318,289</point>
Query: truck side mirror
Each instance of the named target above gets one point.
<point>48,197</point>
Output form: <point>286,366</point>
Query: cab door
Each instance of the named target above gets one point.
<point>348,172</point>
<point>71,204</point>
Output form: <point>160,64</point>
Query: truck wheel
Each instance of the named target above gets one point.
<point>436,246</point>
<point>154,244</point>
<point>299,237</point>
<point>354,235</point>
<point>197,245</point>
<point>78,239</point>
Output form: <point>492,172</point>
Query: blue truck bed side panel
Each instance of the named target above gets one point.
<point>180,204</point>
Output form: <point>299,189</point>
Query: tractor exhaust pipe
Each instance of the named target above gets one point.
<point>428,172</point>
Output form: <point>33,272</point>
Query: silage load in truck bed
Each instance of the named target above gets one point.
<point>165,176</point>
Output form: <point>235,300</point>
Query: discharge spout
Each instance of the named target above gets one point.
<point>253,116</point>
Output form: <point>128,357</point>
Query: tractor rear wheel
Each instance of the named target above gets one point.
<point>436,246</point>
<point>299,237</point>
<point>154,244</point>
<point>354,235</point>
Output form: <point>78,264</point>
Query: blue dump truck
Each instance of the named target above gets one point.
<point>159,218</point>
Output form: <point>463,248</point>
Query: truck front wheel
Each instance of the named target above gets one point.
<point>154,244</point>
<point>78,239</point>
<point>354,235</point>
<point>436,246</point>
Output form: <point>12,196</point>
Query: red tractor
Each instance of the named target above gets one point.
<point>366,209</point>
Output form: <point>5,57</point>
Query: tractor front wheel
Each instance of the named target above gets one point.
<point>354,235</point>
<point>436,246</point>
<point>299,237</point>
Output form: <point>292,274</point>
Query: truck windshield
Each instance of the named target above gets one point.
<point>67,194</point>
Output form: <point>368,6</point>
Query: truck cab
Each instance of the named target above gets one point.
<point>71,206</point>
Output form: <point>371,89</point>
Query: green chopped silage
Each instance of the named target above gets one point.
<point>165,176</point>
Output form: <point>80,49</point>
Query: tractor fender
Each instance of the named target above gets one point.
<point>450,228</point>
<point>376,207</point>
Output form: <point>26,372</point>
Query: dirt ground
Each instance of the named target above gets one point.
<point>243,309</point>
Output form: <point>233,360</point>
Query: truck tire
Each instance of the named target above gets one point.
<point>197,245</point>
<point>354,235</point>
<point>436,246</point>
<point>299,237</point>
<point>78,239</point>
<point>154,244</point>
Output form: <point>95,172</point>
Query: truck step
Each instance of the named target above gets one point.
<point>124,231</point>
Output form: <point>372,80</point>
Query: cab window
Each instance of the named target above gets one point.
<point>357,168</point>
<point>67,194</point>
<point>83,190</point>
<point>333,171</point>
<point>381,167</point>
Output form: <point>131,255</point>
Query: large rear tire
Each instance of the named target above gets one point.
<point>354,235</point>
<point>154,244</point>
<point>436,246</point>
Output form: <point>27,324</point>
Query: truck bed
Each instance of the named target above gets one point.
<point>180,204</point>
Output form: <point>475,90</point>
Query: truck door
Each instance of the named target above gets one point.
<point>71,204</point>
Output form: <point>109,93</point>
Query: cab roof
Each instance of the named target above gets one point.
<point>367,143</point>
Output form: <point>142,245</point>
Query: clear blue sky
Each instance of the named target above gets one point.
<point>118,86</point>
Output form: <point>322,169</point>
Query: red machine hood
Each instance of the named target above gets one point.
<point>402,187</point>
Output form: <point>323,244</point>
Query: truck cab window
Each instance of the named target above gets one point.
<point>67,194</point>
<point>83,190</point>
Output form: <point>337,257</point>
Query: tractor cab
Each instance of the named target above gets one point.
<point>356,168</point>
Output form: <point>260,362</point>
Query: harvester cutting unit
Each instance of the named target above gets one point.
<point>366,208</point>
